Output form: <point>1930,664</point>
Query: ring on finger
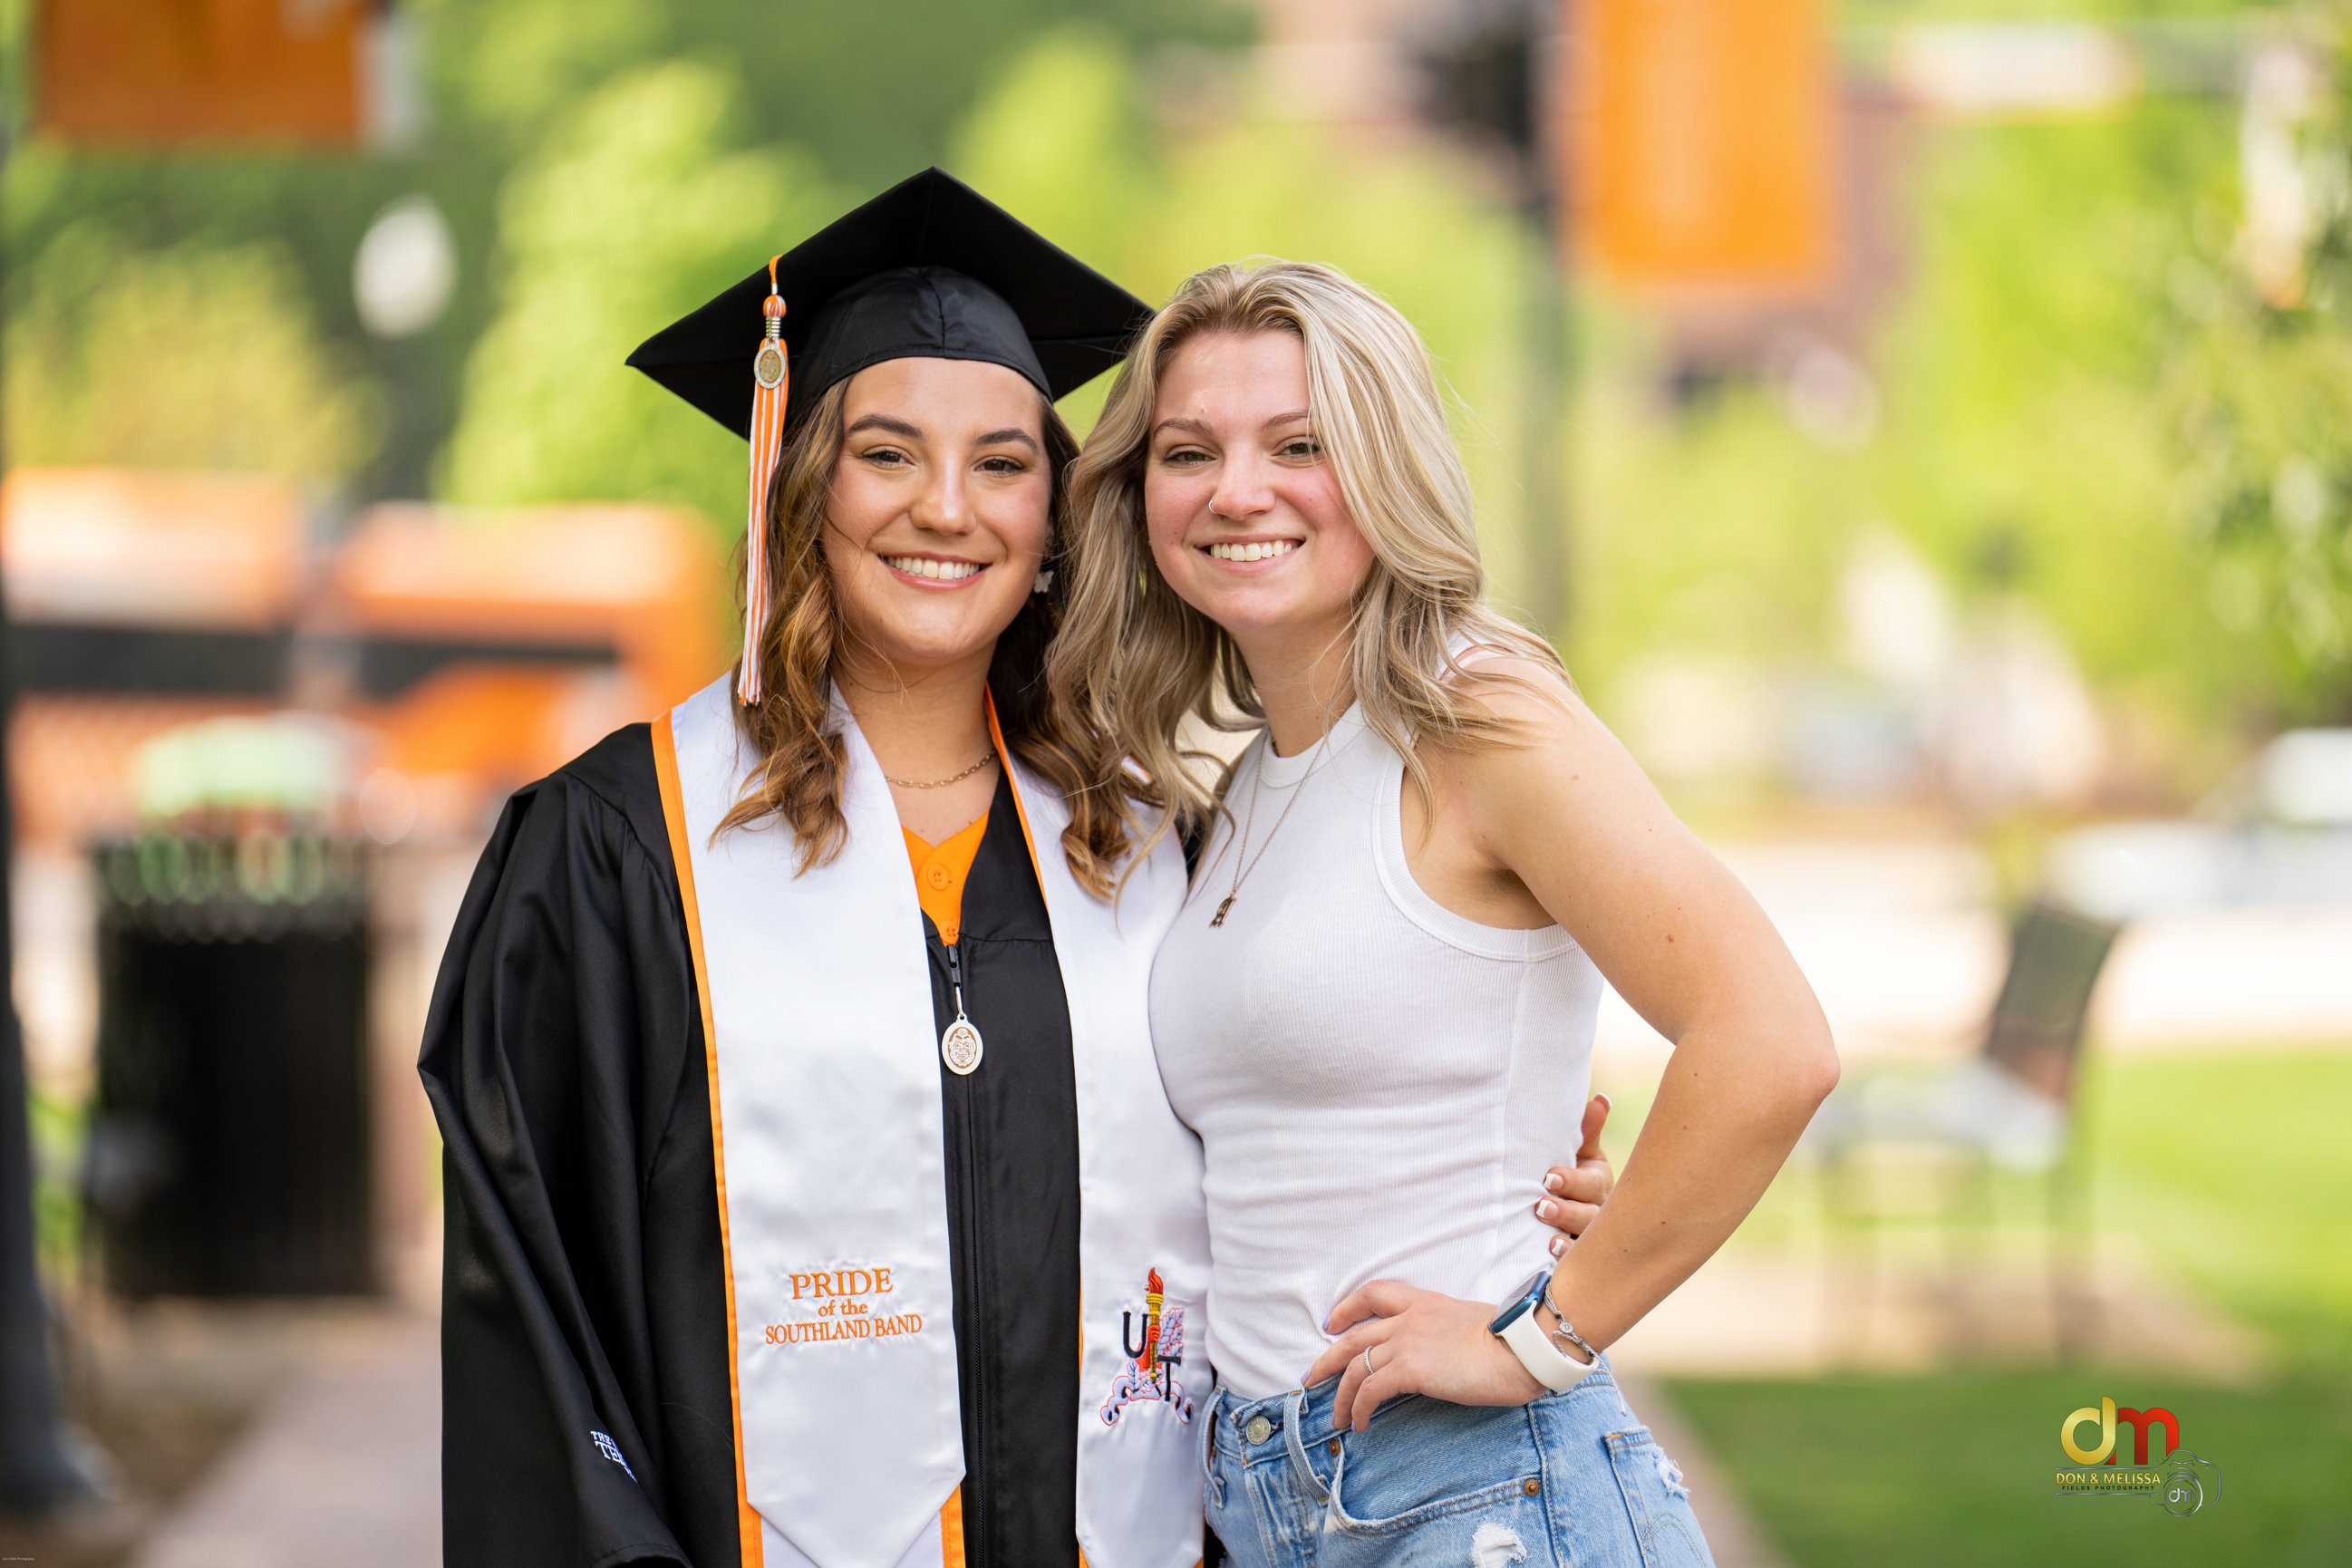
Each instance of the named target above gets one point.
<point>1368,1368</point>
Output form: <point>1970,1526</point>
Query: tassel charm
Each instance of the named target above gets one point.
<point>772,375</point>
<point>767,369</point>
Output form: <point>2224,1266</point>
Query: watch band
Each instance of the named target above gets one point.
<point>1543,1358</point>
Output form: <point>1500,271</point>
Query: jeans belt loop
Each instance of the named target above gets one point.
<point>1207,1417</point>
<point>1294,1418</point>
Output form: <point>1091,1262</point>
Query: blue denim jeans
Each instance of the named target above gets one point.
<point>1572,1480</point>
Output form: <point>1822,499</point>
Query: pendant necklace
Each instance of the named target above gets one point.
<point>1242,868</point>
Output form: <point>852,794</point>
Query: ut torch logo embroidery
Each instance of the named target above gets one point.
<point>1150,1370</point>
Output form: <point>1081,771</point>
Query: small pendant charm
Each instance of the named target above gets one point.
<point>961,1048</point>
<point>1219,918</point>
<point>768,367</point>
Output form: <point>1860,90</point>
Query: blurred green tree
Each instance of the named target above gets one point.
<point>633,212</point>
<point>1718,534</point>
<point>509,67</point>
<point>2021,425</point>
<point>1062,139</point>
<point>877,94</point>
<point>2077,390</point>
<point>2257,388</point>
<point>197,356</point>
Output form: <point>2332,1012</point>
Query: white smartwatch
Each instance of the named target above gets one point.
<point>1517,1327</point>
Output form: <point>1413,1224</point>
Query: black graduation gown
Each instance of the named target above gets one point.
<point>583,1291</point>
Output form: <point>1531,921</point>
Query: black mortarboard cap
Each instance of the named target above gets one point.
<point>928,270</point>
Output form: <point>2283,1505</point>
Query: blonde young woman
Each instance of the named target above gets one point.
<point>1377,1001</point>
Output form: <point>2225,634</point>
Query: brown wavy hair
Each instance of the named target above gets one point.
<point>802,755</point>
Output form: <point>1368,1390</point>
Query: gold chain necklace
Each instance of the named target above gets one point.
<point>1242,869</point>
<point>942,783</point>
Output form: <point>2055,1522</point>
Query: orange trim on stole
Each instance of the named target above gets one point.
<point>951,1529</point>
<point>997,735</point>
<point>673,803</point>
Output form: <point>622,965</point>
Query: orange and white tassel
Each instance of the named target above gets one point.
<point>772,372</point>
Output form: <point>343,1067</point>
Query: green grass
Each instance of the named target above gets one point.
<point>2234,1171</point>
<point>1928,1472</point>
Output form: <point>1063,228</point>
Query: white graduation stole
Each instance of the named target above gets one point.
<point>824,1082</point>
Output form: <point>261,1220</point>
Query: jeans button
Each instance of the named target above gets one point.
<point>1258,1430</point>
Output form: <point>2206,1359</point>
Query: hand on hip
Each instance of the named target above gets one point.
<point>1398,1339</point>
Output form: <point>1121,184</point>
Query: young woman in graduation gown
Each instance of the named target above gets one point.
<point>797,1203</point>
<point>812,1193</point>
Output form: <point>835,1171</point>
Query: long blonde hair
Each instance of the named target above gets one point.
<point>801,756</point>
<point>1138,661</point>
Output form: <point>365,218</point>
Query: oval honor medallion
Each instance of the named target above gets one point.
<point>768,367</point>
<point>961,1048</point>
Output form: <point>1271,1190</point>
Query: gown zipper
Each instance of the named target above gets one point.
<point>978,1482</point>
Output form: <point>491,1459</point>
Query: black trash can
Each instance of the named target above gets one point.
<point>228,1149</point>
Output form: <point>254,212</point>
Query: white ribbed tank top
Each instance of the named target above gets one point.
<point>1379,1084</point>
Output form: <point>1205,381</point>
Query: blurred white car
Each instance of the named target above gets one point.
<point>2279,833</point>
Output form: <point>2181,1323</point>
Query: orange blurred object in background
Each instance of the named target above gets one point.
<point>179,70</point>
<point>1700,139</point>
<point>131,546</point>
<point>479,649</point>
<point>648,584</point>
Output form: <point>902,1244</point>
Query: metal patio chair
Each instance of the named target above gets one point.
<point>2008,1109</point>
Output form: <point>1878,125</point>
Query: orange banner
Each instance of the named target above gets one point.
<point>165,72</point>
<point>1700,134</point>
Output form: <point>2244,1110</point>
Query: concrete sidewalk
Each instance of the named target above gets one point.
<point>341,1467</point>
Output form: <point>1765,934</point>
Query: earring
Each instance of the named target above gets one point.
<point>1045,581</point>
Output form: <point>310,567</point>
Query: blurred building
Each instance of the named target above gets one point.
<point>1344,62</point>
<point>470,651</point>
<point>201,660</point>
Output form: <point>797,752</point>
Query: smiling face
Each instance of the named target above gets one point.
<point>1246,517</point>
<point>939,510</point>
